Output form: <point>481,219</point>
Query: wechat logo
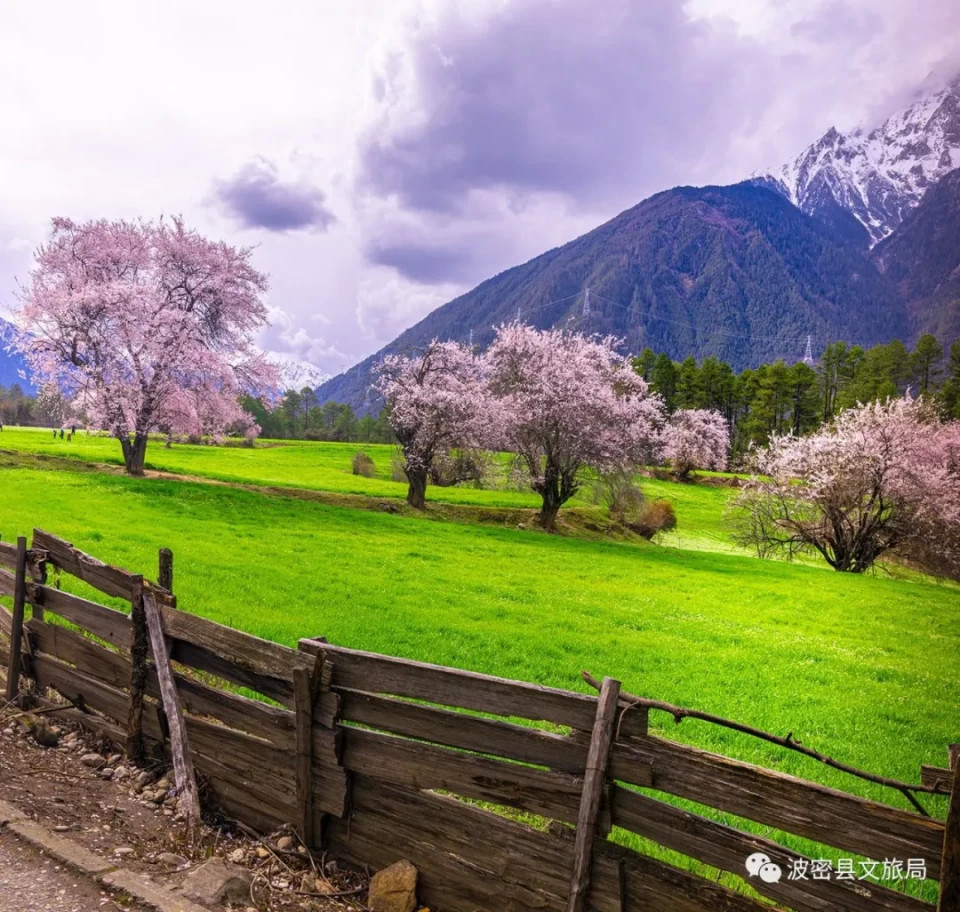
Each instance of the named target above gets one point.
<point>760,865</point>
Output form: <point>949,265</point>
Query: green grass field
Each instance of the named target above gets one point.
<point>859,667</point>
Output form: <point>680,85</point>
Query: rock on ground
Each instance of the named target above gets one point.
<point>217,881</point>
<point>394,889</point>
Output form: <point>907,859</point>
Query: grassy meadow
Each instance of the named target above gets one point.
<point>856,666</point>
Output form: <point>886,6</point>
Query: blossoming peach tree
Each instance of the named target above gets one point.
<point>567,403</point>
<point>696,439</point>
<point>438,401</point>
<point>146,326</point>
<point>883,479</point>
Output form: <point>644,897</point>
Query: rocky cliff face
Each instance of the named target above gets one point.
<point>877,176</point>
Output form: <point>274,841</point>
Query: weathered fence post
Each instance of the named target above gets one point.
<point>165,577</point>
<point>303,705</point>
<point>16,630</point>
<point>950,862</point>
<point>138,674</point>
<point>593,785</point>
<point>186,781</point>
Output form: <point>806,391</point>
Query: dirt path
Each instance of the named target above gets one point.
<point>32,882</point>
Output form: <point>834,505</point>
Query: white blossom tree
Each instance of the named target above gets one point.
<point>567,403</point>
<point>696,439</point>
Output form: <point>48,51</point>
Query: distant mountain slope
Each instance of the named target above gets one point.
<point>922,259</point>
<point>737,272</point>
<point>876,176</point>
<point>11,365</point>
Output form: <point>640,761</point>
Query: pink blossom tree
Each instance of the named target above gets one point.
<point>882,479</point>
<point>696,439</point>
<point>568,403</point>
<point>145,325</point>
<point>438,401</point>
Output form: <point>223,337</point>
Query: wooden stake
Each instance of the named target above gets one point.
<point>186,781</point>
<point>16,629</point>
<point>950,861</point>
<point>303,703</point>
<point>593,782</point>
<point>165,577</point>
<point>138,675</point>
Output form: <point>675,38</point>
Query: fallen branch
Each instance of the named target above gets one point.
<point>680,713</point>
<point>39,712</point>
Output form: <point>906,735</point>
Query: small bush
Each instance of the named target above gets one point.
<point>364,465</point>
<point>656,517</point>
<point>460,467</point>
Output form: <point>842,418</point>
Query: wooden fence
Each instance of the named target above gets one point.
<point>372,758</point>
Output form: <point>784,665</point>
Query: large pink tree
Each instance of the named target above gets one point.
<point>881,479</point>
<point>568,403</point>
<point>145,326</point>
<point>696,439</point>
<point>437,401</point>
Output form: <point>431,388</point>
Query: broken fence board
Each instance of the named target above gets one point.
<point>795,805</point>
<point>937,777</point>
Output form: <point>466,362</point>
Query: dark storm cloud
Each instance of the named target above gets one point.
<point>257,198</point>
<point>426,262</point>
<point>597,102</point>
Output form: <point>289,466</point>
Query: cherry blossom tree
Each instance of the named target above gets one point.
<point>696,439</point>
<point>567,403</point>
<point>145,325</point>
<point>437,401</point>
<point>882,479</point>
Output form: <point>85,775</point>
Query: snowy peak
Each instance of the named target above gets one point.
<point>880,175</point>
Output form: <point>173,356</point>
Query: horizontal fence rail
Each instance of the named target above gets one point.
<point>376,758</point>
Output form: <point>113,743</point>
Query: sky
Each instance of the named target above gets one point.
<point>383,156</point>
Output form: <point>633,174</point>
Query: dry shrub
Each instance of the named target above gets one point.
<point>460,467</point>
<point>397,471</point>
<point>619,493</point>
<point>656,517</point>
<point>363,465</point>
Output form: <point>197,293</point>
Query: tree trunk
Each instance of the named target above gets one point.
<point>134,453</point>
<point>417,492</point>
<point>551,507</point>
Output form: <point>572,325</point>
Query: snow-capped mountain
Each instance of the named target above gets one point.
<point>296,374</point>
<point>880,175</point>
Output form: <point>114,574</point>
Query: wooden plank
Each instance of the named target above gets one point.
<point>950,863</point>
<point>107,623</point>
<point>16,621</point>
<point>136,750</point>
<point>593,782</point>
<point>8,555</point>
<point>795,805</point>
<point>372,673</point>
<point>6,621</point>
<point>8,583</point>
<point>303,698</point>
<point>474,733</point>
<point>187,796</point>
<point>471,859</point>
<point>727,849</point>
<point>419,765</point>
<point>238,712</point>
<point>937,777</point>
<point>165,569</point>
<point>83,689</point>
<point>110,580</point>
<point>264,665</point>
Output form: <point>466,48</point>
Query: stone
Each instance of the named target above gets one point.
<point>106,773</point>
<point>394,889</point>
<point>93,760</point>
<point>262,852</point>
<point>114,759</point>
<point>123,851</point>
<point>144,779</point>
<point>217,881</point>
<point>171,859</point>
<point>121,773</point>
<point>237,856</point>
<point>285,843</point>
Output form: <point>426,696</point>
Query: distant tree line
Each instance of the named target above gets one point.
<point>19,407</point>
<point>779,398</point>
<point>299,416</point>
